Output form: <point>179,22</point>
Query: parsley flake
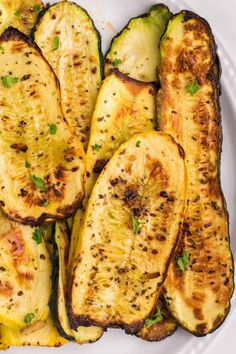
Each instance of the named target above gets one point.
<point>116,62</point>
<point>52,129</point>
<point>183,261</point>
<point>38,236</point>
<point>27,164</point>
<point>157,317</point>
<point>96,147</point>
<point>9,80</point>
<point>136,225</point>
<point>28,318</point>
<point>56,43</point>
<point>2,49</point>
<point>17,13</point>
<point>193,87</point>
<point>36,8</point>
<point>46,202</point>
<point>39,183</point>
<point>138,143</point>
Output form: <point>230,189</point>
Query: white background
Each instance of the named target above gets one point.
<point>221,15</point>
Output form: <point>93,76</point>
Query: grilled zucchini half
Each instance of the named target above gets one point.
<point>59,291</point>
<point>43,162</point>
<point>71,44</point>
<point>160,325</point>
<point>134,51</point>
<point>25,275</point>
<point>200,280</point>
<point>21,14</point>
<point>42,333</point>
<point>123,251</point>
<point>124,107</point>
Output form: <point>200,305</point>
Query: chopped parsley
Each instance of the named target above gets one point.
<point>27,164</point>
<point>17,13</point>
<point>36,8</point>
<point>193,87</point>
<point>136,225</point>
<point>96,147</point>
<point>183,261</point>
<point>38,236</point>
<point>46,202</point>
<point>2,49</point>
<point>116,62</point>
<point>157,317</point>
<point>39,183</point>
<point>56,43</point>
<point>28,318</point>
<point>9,80</point>
<point>138,143</point>
<point>52,129</point>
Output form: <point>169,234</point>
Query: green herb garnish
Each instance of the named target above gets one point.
<point>2,49</point>
<point>46,202</point>
<point>136,225</point>
<point>96,147</point>
<point>193,87</point>
<point>183,261</point>
<point>36,8</point>
<point>157,317</point>
<point>27,164</point>
<point>138,143</point>
<point>116,62</point>
<point>38,236</point>
<point>17,13</point>
<point>39,183</point>
<point>52,129</point>
<point>28,318</point>
<point>56,43</point>
<point>9,80</point>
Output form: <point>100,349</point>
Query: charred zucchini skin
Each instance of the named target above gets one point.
<point>82,134</point>
<point>13,34</point>
<point>144,16</point>
<point>55,287</point>
<point>213,77</point>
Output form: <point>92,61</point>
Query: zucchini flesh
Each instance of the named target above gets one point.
<point>59,292</point>
<point>134,51</point>
<point>43,162</point>
<point>124,107</point>
<point>71,44</point>
<point>25,275</point>
<point>162,329</point>
<point>123,249</point>
<point>21,14</point>
<point>198,296</point>
<point>42,333</point>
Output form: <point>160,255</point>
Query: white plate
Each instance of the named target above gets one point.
<point>110,16</point>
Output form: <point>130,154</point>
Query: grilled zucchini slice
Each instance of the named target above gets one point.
<point>124,107</point>
<point>25,275</point>
<point>59,291</point>
<point>160,325</point>
<point>200,279</point>
<point>21,14</point>
<point>134,51</point>
<point>71,44</point>
<point>123,249</point>
<point>43,162</point>
<point>42,333</point>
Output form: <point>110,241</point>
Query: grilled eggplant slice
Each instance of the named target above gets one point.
<point>124,107</point>
<point>43,162</point>
<point>200,279</point>
<point>159,326</point>
<point>21,14</point>
<point>42,333</point>
<point>25,275</point>
<point>71,44</point>
<point>134,51</point>
<point>59,291</point>
<point>123,249</point>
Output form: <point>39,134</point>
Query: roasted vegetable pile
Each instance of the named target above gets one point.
<point>112,213</point>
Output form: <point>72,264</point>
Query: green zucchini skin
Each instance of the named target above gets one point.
<point>158,15</point>
<point>55,287</point>
<point>208,76</point>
